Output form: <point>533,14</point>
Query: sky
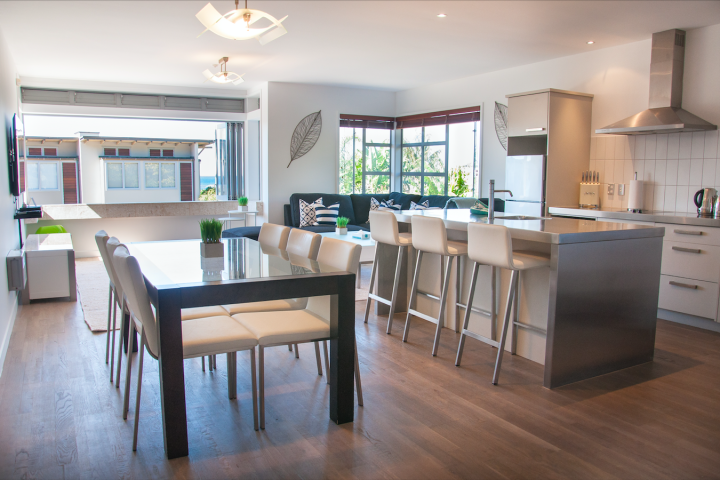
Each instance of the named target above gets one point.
<point>68,126</point>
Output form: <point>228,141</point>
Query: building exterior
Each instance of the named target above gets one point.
<point>92,169</point>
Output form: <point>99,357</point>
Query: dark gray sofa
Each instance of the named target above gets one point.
<point>356,207</point>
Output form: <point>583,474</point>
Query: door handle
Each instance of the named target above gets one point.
<point>688,232</point>
<point>539,129</point>
<point>683,285</point>
<point>687,250</point>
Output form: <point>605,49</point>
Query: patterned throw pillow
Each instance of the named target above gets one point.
<point>307,212</point>
<point>326,215</point>
<point>375,204</point>
<point>420,206</point>
<point>389,207</point>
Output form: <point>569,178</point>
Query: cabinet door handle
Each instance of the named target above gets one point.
<point>539,129</point>
<point>683,285</point>
<point>688,232</point>
<point>687,250</point>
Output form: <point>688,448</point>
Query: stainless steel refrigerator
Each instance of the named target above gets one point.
<point>525,178</point>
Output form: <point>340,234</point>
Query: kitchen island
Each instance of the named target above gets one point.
<point>592,312</point>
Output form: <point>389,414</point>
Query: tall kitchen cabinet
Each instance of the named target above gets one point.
<point>555,123</point>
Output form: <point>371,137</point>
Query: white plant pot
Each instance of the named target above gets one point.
<point>341,231</point>
<point>212,250</point>
<point>243,208</point>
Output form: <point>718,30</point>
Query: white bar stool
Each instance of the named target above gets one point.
<point>384,229</point>
<point>492,245</point>
<point>429,236</point>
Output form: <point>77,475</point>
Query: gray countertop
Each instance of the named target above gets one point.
<point>678,218</point>
<point>553,230</point>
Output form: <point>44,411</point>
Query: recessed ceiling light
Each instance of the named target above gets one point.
<point>441,15</point>
<point>590,42</point>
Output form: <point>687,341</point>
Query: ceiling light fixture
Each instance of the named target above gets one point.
<point>442,15</point>
<point>223,76</point>
<point>235,24</point>
<point>590,42</point>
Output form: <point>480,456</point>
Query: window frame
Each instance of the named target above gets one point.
<point>363,159</point>
<point>160,186</point>
<point>422,173</point>
<point>122,169</point>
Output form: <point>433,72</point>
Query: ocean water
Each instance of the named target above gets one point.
<point>206,182</point>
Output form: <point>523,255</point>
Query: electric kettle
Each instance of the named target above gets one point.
<point>704,200</point>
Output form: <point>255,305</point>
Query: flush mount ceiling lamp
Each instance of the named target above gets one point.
<point>235,24</point>
<point>223,76</point>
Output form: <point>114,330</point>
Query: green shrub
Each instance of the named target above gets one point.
<point>342,222</point>
<point>211,230</point>
<point>208,194</point>
<point>243,201</point>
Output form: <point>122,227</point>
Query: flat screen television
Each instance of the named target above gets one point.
<point>13,132</point>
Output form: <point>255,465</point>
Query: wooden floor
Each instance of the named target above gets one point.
<point>423,417</point>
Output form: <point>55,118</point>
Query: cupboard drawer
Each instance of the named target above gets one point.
<point>691,234</point>
<point>528,115</point>
<point>689,296</point>
<point>691,260</point>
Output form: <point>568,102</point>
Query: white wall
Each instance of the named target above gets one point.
<point>617,76</point>
<point>9,238</point>
<point>317,171</point>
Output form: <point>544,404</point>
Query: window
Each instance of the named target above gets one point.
<point>51,152</point>
<point>116,152</point>
<point>159,175</point>
<point>42,175</point>
<point>365,145</point>
<point>123,152</point>
<point>110,152</point>
<point>122,175</point>
<point>35,151</point>
<point>440,152</point>
<point>156,152</point>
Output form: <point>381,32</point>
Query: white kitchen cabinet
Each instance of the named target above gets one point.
<point>691,260</point>
<point>693,297</point>
<point>528,114</point>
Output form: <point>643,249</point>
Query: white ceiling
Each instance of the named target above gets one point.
<point>391,45</point>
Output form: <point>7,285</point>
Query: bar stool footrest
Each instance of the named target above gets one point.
<point>422,315</point>
<point>486,340</point>
<point>380,299</point>
<point>531,328</point>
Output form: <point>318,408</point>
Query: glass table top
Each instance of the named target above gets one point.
<point>178,262</point>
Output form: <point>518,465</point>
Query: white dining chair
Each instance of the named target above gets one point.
<point>311,324</point>
<point>114,299</point>
<point>202,336</point>
<point>274,235</point>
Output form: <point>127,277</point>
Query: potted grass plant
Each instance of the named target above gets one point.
<point>341,223</point>
<point>243,204</point>
<point>211,232</point>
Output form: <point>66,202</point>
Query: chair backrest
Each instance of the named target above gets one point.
<point>429,234</point>
<point>110,245</point>
<point>274,235</point>
<point>274,251</point>
<point>340,255</point>
<point>101,239</point>
<point>490,245</point>
<point>384,227</point>
<point>131,278</point>
<point>304,243</point>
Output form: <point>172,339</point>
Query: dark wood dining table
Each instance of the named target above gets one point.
<point>178,277</point>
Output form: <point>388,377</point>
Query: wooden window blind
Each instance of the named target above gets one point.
<point>460,115</point>
<point>167,153</point>
<point>69,182</point>
<point>124,152</point>
<point>366,121</point>
<point>155,152</point>
<point>35,151</point>
<point>21,168</point>
<point>51,152</point>
<point>109,152</point>
<point>186,182</point>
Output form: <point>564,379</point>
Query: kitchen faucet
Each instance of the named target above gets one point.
<point>491,200</point>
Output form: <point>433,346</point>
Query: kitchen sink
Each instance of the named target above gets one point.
<point>520,217</point>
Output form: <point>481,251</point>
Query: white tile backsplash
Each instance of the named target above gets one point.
<point>672,166</point>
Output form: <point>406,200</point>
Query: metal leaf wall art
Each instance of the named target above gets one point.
<point>305,136</point>
<point>501,123</point>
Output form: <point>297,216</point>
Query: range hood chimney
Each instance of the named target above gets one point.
<point>665,114</point>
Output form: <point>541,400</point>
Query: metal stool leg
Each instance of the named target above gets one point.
<point>254,387</point>
<point>515,319</point>
<point>290,347</point>
<point>107,342</point>
<point>327,362</point>
<point>443,304</point>
<point>112,354</point>
<point>372,283</point>
<point>232,375</point>
<point>413,294</point>
<point>466,321</point>
<point>261,359</point>
<point>297,351</point>
<point>128,370</point>
<point>120,349</point>
<point>503,334</point>
<point>137,393</point>
<point>396,282</point>
<point>317,358</point>
<point>493,303</point>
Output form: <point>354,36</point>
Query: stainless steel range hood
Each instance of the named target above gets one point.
<point>665,114</point>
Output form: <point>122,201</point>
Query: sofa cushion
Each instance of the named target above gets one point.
<point>437,201</point>
<point>361,205</point>
<point>240,232</point>
<point>346,207</point>
<point>404,199</point>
